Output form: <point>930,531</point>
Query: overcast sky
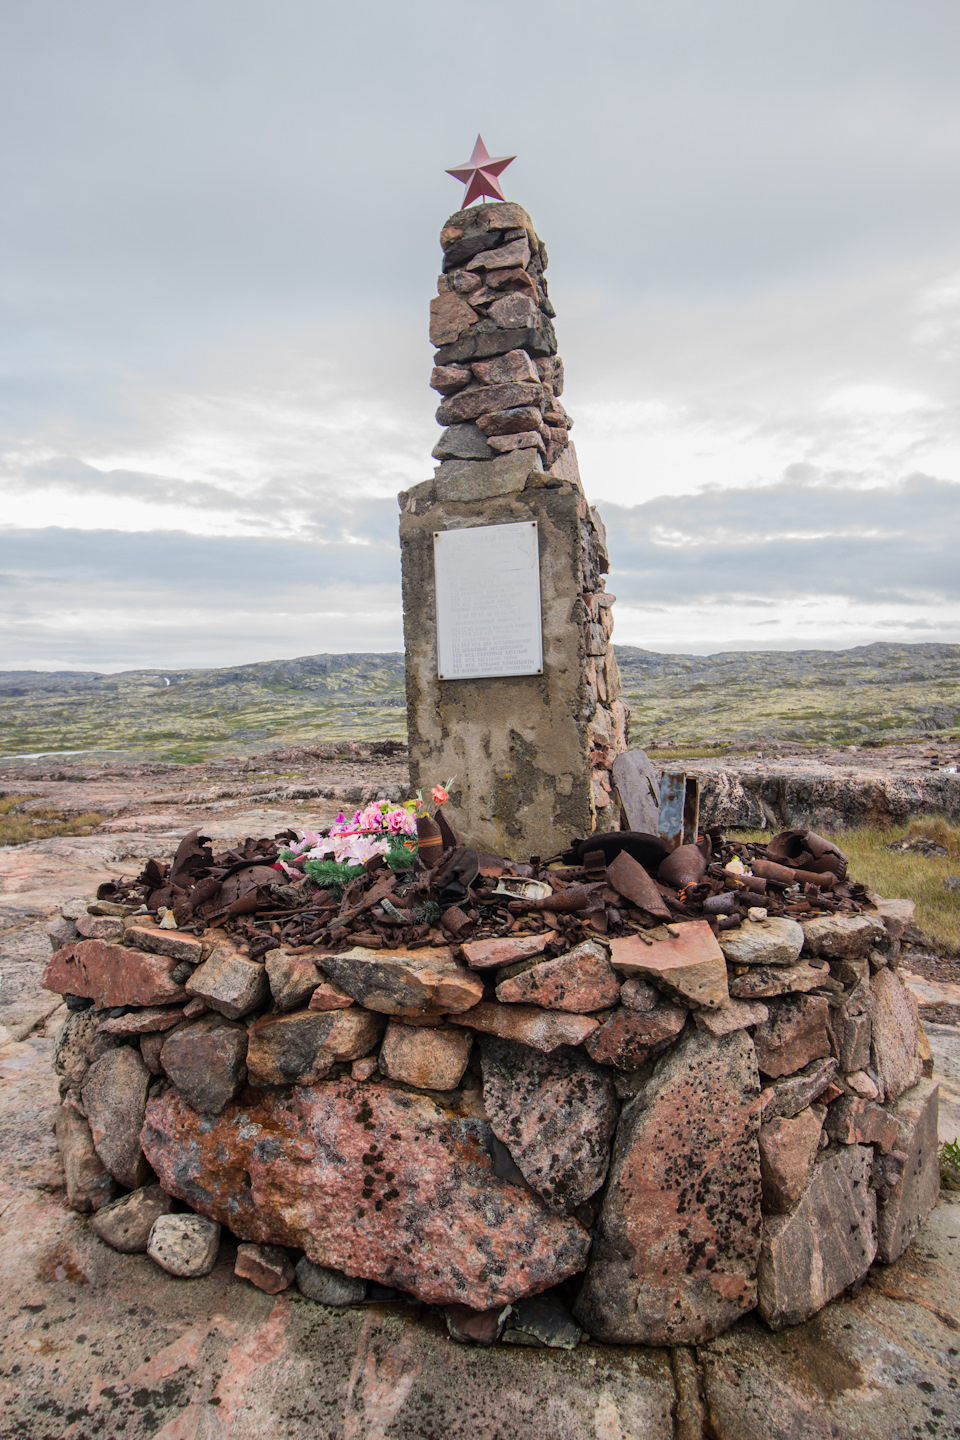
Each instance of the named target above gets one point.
<point>218,243</point>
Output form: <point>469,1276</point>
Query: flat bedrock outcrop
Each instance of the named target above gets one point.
<point>674,1260</point>
<point>369,1181</point>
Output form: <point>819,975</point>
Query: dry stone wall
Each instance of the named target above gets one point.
<point>655,1133</point>
<point>532,754</point>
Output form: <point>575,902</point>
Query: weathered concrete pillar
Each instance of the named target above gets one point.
<point>531,751</point>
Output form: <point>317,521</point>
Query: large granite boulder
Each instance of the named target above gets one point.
<point>371,1181</point>
<point>675,1254</point>
<point>908,1202</point>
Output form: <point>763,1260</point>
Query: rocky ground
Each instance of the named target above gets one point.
<point>102,1344</point>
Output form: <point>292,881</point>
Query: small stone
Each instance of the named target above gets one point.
<point>688,963</point>
<point>266,1266</point>
<point>542,1029</point>
<point>581,981</point>
<point>510,422</point>
<point>404,982</point>
<point>788,1148</point>
<point>842,937</point>
<point>328,996</point>
<point>856,1121</point>
<point>514,312</point>
<point>757,912</point>
<point>910,1199</point>
<point>114,1097</point>
<point>774,942</point>
<point>429,1058</point>
<point>363,1069</point>
<point>329,1287</point>
<point>482,399</point>
<point>447,379</point>
<point>516,253</point>
<point>825,1244</point>
<point>205,1060</point>
<point>89,1184</point>
<point>490,954</point>
<point>735,1015</point>
<point>154,1018</point>
<point>861,1084</point>
<point>98,927</point>
<point>556,1115</point>
<point>894,915</point>
<point>125,1224</point>
<point>475,1327</point>
<point>894,1034</point>
<point>633,1034</point>
<point>62,932</point>
<point>794,1034</point>
<point>542,1322</point>
<point>150,1048</point>
<point>184,1245</point>
<point>194,1008</point>
<point>522,440</point>
<point>762,982</point>
<point>230,983</point>
<point>462,442</point>
<point>161,942</point>
<point>112,975</point>
<point>788,1097</point>
<point>450,317</point>
<point>514,368</point>
<point>78,1044</point>
<point>856,1034</point>
<point>300,1049</point>
<point>292,978</point>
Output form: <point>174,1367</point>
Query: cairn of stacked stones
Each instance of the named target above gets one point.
<point>663,1129</point>
<point>506,439</point>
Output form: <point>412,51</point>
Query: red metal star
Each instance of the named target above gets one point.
<point>480,172</point>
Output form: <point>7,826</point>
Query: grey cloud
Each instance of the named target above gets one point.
<point>788,541</point>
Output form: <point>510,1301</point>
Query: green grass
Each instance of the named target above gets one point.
<point>910,876</point>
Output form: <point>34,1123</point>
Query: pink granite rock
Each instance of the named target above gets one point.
<point>490,954</point>
<point>894,1034</point>
<point>788,1148</point>
<point>292,978</point>
<point>404,982</point>
<point>299,1049</point>
<point>842,937</point>
<point>823,1245</point>
<point>369,1181</point>
<point>581,981</point>
<point>205,1060</point>
<point>906,1203</point>
<point>674,1257</point>
<point>174,943</point>
<point>153,1019</point>
<point>794,1034</point>
<point>735,1015</point>
<point>853,1120</point>
<point>432,1058</point>
<point>688,963</point>
<point>328,996</point>
<point>556,1115</point>
<point>542,1029</point>
<point>112,975</point>
<point>762,982</point>
<point>98,927</point>
<point>644,1025</point>
<point>266,1266</point>
<point>449,318</point>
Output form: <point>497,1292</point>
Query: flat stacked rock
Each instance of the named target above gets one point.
<point>655,1130</point>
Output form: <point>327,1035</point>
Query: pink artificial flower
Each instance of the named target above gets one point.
<point>440,796</point>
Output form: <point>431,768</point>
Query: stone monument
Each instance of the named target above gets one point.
<point>512,686</point>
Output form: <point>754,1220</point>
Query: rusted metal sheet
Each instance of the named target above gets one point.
<point>679,808</point>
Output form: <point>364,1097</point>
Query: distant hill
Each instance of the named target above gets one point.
<point>801,698</point>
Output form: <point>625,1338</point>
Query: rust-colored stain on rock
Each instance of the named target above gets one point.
<point>370,1181</point>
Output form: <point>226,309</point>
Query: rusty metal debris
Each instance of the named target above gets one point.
<point>617,883</point>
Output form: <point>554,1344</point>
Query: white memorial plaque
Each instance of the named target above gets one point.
<point>488,601</point>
